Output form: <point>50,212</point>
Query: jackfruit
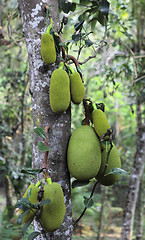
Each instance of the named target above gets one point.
<point>100,121</point>
<point>52,214</point>
<point>33,199</point>
<point>113,161</point>
<point>59,91</point>
<point>77,88</point>
<point>84,153</point>
<point>48,51</point>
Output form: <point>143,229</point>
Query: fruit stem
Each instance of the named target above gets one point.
<point>49,181</point>
<point>61,65</point>
<point>38,184</point>
<point>49,26</point>
<point>71,70</point>
<point>87,113</point>
<point>94,106</point>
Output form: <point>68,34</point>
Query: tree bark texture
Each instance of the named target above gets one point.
<point>34,25</point>
<point>135,179</point>
<point>139,213</point>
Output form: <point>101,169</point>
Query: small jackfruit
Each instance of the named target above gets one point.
<point>59,91</point>
<point>100,121</point>
<point>48,51</point>
<point>52,214</point>
<point>113,161</point>
<point>77,88</point>
<point>84,153</point>
<point>33,199</point>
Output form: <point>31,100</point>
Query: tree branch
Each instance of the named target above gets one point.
<point>100,47</point>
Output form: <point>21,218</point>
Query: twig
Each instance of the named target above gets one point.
<point>62,48</point>
<point>101,44</point>
<point>138,79</point>
<point>45,172</point>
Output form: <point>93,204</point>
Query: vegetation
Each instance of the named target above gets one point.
<point>107,41</point>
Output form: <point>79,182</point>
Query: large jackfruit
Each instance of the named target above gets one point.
<point>48,51</point>
<point>33,199</point>
<point>100,121</point>
<point>52,214</point>
<point>77,88</point>
<point>84,153</point>
<point>113,161</point>
<point>59,91</point>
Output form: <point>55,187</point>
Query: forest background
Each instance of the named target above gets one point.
<point>114,76</point>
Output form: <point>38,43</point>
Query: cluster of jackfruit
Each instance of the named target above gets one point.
<point>52,213</point>
<point>85,156</point>
<point>63,89</point>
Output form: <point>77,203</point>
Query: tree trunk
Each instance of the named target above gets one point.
<point>139,213</point>
<point>135,179</point>
<point>34,25</point>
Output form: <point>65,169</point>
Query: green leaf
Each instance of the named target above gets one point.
<point>104,7</point>
<point>33,235</point>
<point>22,215</point>
<point>26,225</point>
<point>42,147</point>
<point>88,43</point>
<point>88,202</point>
<point>40,132</point>
<point>29,193</point>
<point>78,183</point>
<point>79,25</point>
<point>23,204</point>
<point>117,171</point>
<point>79,70</point>
<point>67,6</point>
<point>31,171</point>
<point>44,202</point>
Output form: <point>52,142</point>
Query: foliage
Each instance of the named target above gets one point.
<point>114,79</point>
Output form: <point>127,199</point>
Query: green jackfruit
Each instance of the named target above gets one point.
<point>77,88</point>
<point>52,214</point>
<point>33,199</point>
<point>48,51</point>
<point>113,161</point>
<point>84,153</point>
<point>59,91</point>
<point>100,122</point>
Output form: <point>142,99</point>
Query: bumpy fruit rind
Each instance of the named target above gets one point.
<point>59,91</point>
<point>84,153</point>
<point>33,199</point>
<point>48,51</point>
<point>52,214</point>
<point>77,88</point>
<point>113,161</point>
<point>100,121</point>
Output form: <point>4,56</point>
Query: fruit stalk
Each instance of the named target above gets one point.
<point>87,114</point>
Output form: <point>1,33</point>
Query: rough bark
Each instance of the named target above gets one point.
<point>135,179</point>
<point>139,214</point>
<point>34,25</point>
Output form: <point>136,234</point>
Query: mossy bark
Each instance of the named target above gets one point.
<point>34,25</point>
